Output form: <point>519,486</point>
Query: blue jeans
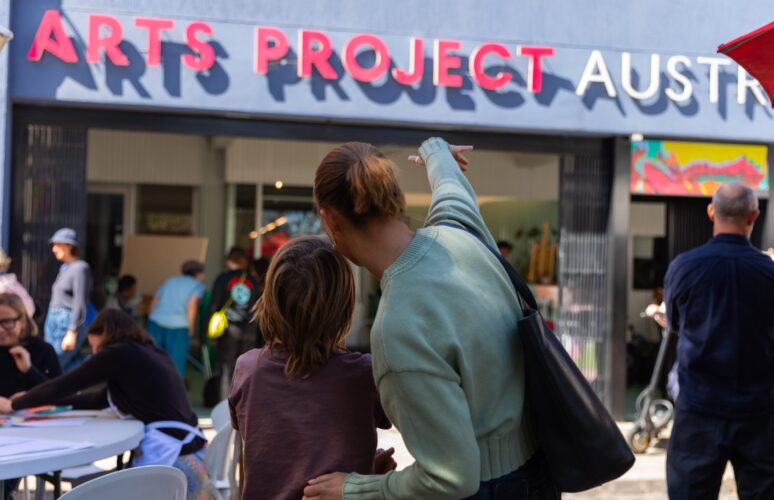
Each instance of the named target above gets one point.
<point>528,482</point>
<point>701,445</point>
<point>174,341</point>
<point>55,328</point>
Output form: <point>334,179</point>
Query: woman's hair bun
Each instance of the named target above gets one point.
<point>358,181</point>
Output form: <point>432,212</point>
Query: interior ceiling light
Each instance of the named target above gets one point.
<point>271,226</point>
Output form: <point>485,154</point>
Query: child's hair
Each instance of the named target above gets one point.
<point>307,304</point>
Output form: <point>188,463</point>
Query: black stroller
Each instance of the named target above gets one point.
<point>653,413</point>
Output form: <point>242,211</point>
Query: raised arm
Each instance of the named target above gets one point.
<point>453,198</point>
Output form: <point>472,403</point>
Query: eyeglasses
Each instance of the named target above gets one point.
<point>8,323</point>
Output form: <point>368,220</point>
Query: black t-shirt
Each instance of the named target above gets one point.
<point>243,290</point>
<point>45,365</point>
<point>142,380</point>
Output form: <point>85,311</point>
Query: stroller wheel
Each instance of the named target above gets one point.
<point>639,440</point>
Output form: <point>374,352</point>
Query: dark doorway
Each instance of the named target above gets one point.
<point>104,244</point>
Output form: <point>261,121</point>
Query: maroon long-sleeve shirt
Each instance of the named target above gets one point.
<point>295,430</point>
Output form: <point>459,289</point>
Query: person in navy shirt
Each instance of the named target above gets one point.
<point>720,300</point>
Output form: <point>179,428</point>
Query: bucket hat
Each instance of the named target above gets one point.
<point>66,236</point>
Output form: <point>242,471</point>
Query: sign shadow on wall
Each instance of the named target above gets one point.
<point>388,91</point>
<point>214,81</point>
<point>79,71</point>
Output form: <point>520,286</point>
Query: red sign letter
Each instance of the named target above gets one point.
<point>443,62</point>
<point>416,65</point>
<point>318,58</point>
<point>354,68</point>
<point>477,66</point>
<point>59,46</point>
<point>109,43</point>
<point>265,52</point>
<point>535,73</point>
<point>154,27</point>
<point>206,58</point>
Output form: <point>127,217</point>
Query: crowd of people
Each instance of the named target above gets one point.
<point>445,368</point>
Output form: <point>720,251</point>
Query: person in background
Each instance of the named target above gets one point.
<point>260,268</point>
<point>505,248</point>
<point>125,297</point>
<point>10,284</point>
<point>66,320</point>
<point>303,404</point>
<point>446,354</point>
<point>235,291</point>
<point>26,360</point>
<point>142,382</point>
<point>719,301</point>
<point>172,321</point>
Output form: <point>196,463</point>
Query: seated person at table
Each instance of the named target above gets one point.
<point>26,360</point>
<point>142,382</point>
<point>303,405</point>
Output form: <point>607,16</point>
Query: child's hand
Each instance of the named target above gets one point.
<point>383,461</point>
<point>327,487</point>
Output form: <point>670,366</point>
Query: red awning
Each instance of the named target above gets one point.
<point>755,53</point>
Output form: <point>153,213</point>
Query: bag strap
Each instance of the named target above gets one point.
<point>526,298</point>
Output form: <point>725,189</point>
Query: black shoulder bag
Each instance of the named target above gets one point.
<point>581,442</point>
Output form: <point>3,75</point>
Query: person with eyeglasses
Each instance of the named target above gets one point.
<point>26,360</point>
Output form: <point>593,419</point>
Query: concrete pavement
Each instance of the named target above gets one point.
<point>646,480</point>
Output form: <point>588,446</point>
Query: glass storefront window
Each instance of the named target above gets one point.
<point>166,210</point>
<point>287,212</point>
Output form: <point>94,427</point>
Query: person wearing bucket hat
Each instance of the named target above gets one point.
<point>65,326</point>
<point>10,284</point>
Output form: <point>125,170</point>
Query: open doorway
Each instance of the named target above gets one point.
<point>108,223</point>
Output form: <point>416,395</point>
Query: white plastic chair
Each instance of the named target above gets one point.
<point>217,459</point>
<point>139,483</point>
<point>220,415</point>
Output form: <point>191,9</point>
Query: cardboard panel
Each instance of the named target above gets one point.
<point>152,259</point>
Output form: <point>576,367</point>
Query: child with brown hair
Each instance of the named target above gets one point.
<point>303,405</point>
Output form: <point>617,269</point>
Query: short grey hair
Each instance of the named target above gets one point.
<point>734,201</point>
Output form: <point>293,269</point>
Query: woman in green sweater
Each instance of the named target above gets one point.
<point>446,355</point>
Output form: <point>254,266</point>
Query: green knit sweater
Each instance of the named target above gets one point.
<point>446,356</point>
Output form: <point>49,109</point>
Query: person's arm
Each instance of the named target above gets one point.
<point>453,198</point>
<point>87,400</point>
<point>80,297</point>
<point>48,368</point>
<point>671,297</point>
<point>193,311</point>
<point>433,417</point>
<point>217,299</point>
<point>97,369</point>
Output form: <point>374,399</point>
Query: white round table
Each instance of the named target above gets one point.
<point>110,437</point>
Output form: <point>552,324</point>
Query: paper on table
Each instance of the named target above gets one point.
<point>13,447</point>
<point>106,413</point>
<point>51,422</point>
